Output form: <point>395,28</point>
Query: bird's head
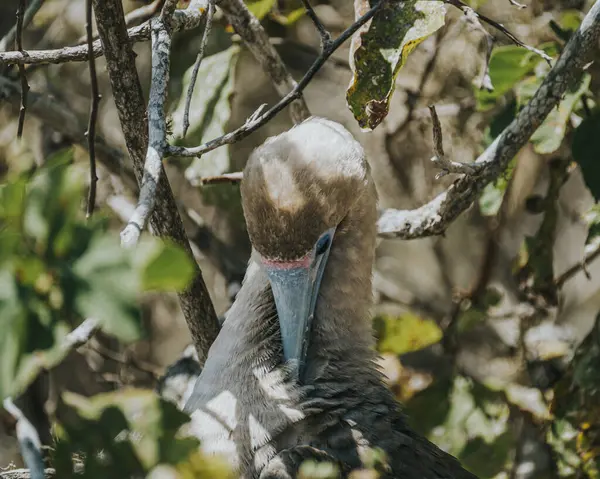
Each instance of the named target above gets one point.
<point>297,188</point>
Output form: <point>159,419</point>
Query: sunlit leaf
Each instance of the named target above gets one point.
<point>493,193</point>
<point>163,265</point>
<point>209,112</point>
<point>261,8</point>
<point>107,288</point>
<point>290,18</point>
<point>508,65</point>
<point>406,333</point>
<point>380,51</point>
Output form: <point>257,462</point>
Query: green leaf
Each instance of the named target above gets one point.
<point>165,266</point>
<point>107,288</point>
<point>135,433</point>
<point>586,151</point>
<point>380,51</point>
<point>289,18</point>
<point>493,194</point>
<point>406,333</point>
<point>209,112</point>
<point>468,420</point>
<point>508,65</point>
<point>261,8</point>
<point>549,136</point>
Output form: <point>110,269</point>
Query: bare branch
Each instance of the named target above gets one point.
<point>22,75</point>
<point>324,34</point>
<point>165,220</point>
<point>434,217</point>
<point>257,41</point>
<point>157,130</point>
<point>447,166</point>
<point>592,253</point>
<point>225,178</point>
<point>468,11</point>
<point>516,4</point>
<point>256,121</point>
<point>9,38</point>
<point>95,99</point>
<point>29,440</point>
<point>135,17</point>
<point>188,101</point>
<point>24,474</point>
<point>182,20</point>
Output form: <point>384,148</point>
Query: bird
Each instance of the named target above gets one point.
<point>293,375</point>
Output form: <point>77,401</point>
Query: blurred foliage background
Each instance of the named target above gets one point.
<point>488,334</point>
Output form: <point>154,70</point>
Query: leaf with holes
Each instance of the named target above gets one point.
<point>380,50</point>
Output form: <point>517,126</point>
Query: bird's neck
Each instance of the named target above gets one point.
<point>342,328</point>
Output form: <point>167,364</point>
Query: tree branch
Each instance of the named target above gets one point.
<point>258,120</point>
<point>434,217</point>
<point>22,75</point>
<point>188,100</point>
<point>257,41</point>
<point>95,100</point>
<point>165,220</point>
<point>447,166</point>
<point>470,13</point>
<point>29,441</point>
<point>182,20</point>
<point>157,125</point>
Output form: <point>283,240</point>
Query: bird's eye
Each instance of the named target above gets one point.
<point>323,244</point>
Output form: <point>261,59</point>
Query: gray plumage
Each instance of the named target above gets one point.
<point>247,403</point>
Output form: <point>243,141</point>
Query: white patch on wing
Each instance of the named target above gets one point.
<point>258,434</point>
<point>224,406</point>
<point>263,455</point>
<point>292,414</point>
<point>272,384</point>
<point>214,437</point>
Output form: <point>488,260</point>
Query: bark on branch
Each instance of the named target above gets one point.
<point>434,217</point>
<point>165,220</point>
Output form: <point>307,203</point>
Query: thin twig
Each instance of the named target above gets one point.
<point>255,122</point>
<point>498,26</point>
<point>29,441</point>
<point>323,33</point>
<point>188,101</point>
<point>134,17</point>
<point>91,130</point>
<point>109,354</point>
<point>182,20</point>
<point>258,43</point>
<point>225,178</point>
<point>581,266</point>
<point>9,38</point>
<point>22,75</point>
<point>446,166</point>
<point>434,217</point>
<point>517,4</point>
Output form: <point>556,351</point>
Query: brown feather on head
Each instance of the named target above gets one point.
<point>300,183</point>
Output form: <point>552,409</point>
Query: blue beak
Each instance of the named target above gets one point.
<point>295,288</point>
